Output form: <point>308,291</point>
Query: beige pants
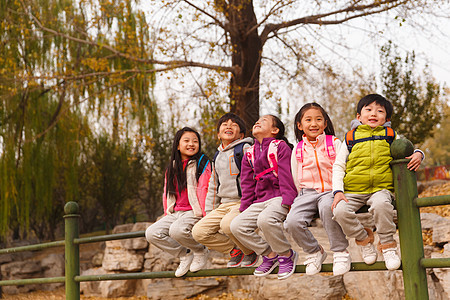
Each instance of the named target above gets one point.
<point>380,207</point>
<point>214,232</point>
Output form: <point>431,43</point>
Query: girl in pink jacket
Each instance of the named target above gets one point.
<point>185,189</point>
<point>312,163</point>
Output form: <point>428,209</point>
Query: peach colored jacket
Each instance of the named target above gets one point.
<point>315,172</point>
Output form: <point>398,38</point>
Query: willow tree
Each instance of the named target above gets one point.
<point>53,88</point>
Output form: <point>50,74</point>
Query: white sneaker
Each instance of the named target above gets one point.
<point>391,259</point>
<point>369,253</point>
<point>183,267</point>
<point>199,261</point>
<point>314,262</point>
<point>341,263</point>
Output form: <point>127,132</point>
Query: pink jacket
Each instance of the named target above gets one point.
<point>315,172</point>
<point>196,190</point>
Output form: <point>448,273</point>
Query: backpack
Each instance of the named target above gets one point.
<point>202,163</point>
<point>350,138</point>
<point>271,157</point>
<point>238,155</point>
<point>329,146</point>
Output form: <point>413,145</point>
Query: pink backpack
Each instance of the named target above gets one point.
<point>271,157</point>
<point>328,143</point>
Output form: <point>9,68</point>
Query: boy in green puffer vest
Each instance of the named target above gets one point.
<point>362,176</point>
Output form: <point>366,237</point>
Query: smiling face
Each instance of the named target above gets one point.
<point>373,115</point>
<point>189,145</point>
<point>264,128</point>
<point>312,123</point>
<point>229,131</point>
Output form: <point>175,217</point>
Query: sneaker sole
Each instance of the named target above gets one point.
<point>268,272</point>
<point>293,269</point>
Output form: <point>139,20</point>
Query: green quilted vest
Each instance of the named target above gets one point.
<point>368,169</point>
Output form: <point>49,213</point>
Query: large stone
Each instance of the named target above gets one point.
<point>179,289</point>
<point>53,266</point>
<point>117,288</point>
<point>375,285</point>
<point>441,232</point>
<point>116,259</point>
<point>443,274</point>
<point>119,229</point>
<point>298,286</point>
<point>137,243</point>
<point>91,288</point>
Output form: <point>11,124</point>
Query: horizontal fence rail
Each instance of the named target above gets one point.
<point>413,262</point>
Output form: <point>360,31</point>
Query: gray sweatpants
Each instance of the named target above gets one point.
<point>303,211</point>
<point>268,216</point>
<point>173,233</point>
<point>380,207</point>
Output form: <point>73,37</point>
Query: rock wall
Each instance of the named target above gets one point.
<point>136,255</point>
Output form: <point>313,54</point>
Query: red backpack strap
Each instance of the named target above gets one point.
<point>250,153</point>
<point>272,158</point>
<point>330,146</point>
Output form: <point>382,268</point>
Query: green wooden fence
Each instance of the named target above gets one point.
<point>410,233</point>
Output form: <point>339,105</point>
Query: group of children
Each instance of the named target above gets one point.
<point>254,191</point>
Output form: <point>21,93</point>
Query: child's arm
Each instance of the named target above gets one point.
<point>286,182</point>
<point>416,160</point>
<point>248,184</point>
<point>339,168</point>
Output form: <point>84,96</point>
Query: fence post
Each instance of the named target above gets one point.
<point>72,251</point>
<point>409,227</point>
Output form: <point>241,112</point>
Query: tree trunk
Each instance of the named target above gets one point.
<point>246,58</point>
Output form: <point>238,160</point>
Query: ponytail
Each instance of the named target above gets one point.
<point>281,130</point>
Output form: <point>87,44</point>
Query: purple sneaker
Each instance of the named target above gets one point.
<point>266,267</point>
<point>287,265</point>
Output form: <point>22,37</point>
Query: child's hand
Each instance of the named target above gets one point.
<point>338,198</point>
<point>416,160</point>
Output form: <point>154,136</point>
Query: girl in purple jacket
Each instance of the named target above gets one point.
<point>268,191</point>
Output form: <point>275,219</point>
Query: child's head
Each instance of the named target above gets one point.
<point>230,127</point>
<point>374,110</point>
<point>186,144</point>
<point>269,126</point>
<point>312,120</point>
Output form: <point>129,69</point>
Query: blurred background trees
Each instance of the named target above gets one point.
<point>81,118</point>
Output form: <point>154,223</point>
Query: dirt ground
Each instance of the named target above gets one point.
<point>437,190</point>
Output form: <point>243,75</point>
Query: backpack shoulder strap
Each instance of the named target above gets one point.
<point>238,154</point>
<point>215,155</point>
<point>299,151</point>
<point>272,156</point>
<point>250,153</point>
<point>202,163</point>
<point>390,135</point>
<point>350,139</point>
<point>330,146</point>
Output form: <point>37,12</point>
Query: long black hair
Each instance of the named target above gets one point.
<point>281,130</point>
<point>298,119</point>
<point>176,175</point>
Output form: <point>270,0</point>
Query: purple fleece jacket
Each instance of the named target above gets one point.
<point>268,186</point>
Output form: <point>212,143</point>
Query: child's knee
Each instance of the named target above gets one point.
<point>292,224</point>
<point>178,233</point>
<point>225,226</point>
<point>341,212</point>
<point>151,235</point>
<point>197,233</point>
